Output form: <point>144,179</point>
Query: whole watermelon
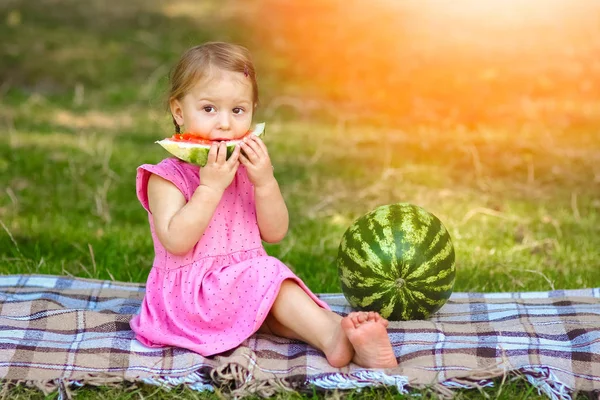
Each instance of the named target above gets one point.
<point>397,260</point>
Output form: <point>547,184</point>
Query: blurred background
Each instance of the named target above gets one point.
<point>397,62</point>
<point>485,112</point>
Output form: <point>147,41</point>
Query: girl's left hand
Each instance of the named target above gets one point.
<point>255,158</point>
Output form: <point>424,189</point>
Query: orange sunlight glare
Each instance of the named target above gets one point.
<point>462,60</point>
<point>499,12</point>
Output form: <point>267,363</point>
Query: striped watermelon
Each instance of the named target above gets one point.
<point>397,260</point>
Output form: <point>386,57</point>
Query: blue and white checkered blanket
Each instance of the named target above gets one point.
<point>60,332</point>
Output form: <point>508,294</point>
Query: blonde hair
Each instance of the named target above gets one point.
<point>196,62</point>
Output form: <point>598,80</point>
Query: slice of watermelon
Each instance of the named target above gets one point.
<point>194,151</point>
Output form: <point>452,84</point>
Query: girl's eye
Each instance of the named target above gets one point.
<point>209,109</point>
<point>238,110</point>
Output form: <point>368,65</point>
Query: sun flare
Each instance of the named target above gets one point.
<point>459,60</point>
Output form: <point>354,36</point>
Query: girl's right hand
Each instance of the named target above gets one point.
<point>219,171</point>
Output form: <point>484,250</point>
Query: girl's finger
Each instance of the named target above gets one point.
<point>260,143</point>
<point>243,159</point>
<point>235,155</point>
<point>212,153</point>
<point>222,156</point>
<point>254,142</point>
<point>261,150</point>
<point>249,151</point>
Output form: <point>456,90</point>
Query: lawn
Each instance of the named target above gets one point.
<point>82,101</point>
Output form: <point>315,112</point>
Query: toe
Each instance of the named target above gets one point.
<point>348,324</point>
<point>362,317</point>
<point>383,321</point>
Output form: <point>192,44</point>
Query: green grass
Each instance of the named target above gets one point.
<point>81,104</point>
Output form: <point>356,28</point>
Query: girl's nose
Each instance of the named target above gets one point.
<point>224,121</point>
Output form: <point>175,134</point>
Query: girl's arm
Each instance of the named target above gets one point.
<point>271,212</point>
<point>180,225</point>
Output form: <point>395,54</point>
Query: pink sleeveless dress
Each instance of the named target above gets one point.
<point>218,294</point>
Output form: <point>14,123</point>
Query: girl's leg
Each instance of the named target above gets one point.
<point>360,337</point>
<point>295,315</point>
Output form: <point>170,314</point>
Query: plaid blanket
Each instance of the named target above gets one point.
<point>57,332</point>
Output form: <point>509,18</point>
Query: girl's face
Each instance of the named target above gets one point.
<point>219,107</point>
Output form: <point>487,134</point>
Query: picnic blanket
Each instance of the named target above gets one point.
<point>62,332</point>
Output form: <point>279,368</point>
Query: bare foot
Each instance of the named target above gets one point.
<point>338,350</point>
<point>368,334</point>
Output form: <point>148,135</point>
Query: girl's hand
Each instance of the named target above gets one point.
<point>256,160</point>
<point>219,171</point>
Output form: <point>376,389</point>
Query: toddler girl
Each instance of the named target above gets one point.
<point>212,284</point>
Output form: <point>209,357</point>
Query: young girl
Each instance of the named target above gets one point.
<point>212,284</point>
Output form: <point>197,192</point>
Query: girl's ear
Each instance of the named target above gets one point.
<point>176,110</point>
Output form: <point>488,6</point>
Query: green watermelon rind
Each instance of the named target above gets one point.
<point>197,154</point>
<point>370,278</point>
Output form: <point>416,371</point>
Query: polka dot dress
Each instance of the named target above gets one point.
<point>218,294</point>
